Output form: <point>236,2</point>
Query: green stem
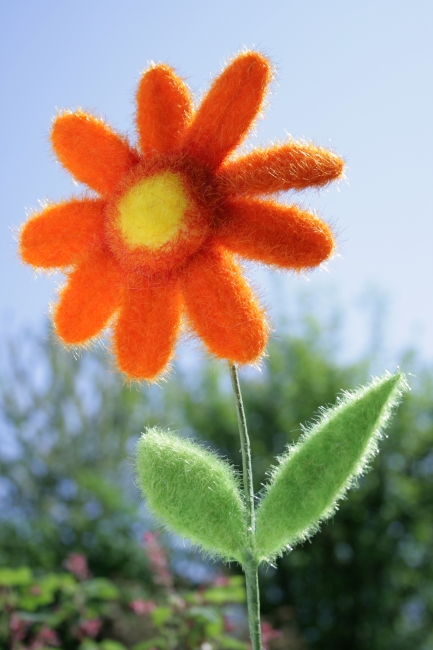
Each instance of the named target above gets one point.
<point>250,564</point>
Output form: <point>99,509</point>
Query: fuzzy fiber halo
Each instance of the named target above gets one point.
<point>157,242</point>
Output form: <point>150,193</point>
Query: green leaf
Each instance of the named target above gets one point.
<point>208,618</point>
<point>19,577</point>
<point>108,644</point>
<point>213,629</point>
<point>221,595</point>
<point>156,642</point>
<point>88,644</point>
<point>43,591</point>
<point>228,643</point>
<point>193,492</point>
<point>40,598</point>
<point>316,472</point>
<point>160,615</point>
<point>101,589</point>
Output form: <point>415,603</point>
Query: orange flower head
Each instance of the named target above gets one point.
<point>157,241</point>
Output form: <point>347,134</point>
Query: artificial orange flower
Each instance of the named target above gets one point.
<point>158,240</point>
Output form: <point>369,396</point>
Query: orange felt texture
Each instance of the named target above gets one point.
<point>222,309</point>
<point>292,166</point>
<point>228,109</point>
<point>164,108</point>
<point>62,234</point>
<point>147,327</point>
<point>146,287</point>
<point>92,295</point>
<point>91,150</point>
<point>269,232</point>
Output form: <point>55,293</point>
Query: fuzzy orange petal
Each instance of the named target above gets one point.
<point>91,150</point>
<point>62,234</point>
<point>164,108</point>
<point>292,166</point>
<point>272,233</point>
<point>229,108</point>
<point>222,309</point>
<point>148,327</point>
<point>92,295</point>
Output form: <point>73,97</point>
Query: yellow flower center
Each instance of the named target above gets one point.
<point>151,212</point>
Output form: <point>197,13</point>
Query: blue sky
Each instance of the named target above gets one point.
<point>355,76</point>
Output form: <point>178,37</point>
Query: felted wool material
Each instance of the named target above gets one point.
<point>148,321</point>
<point>159,241</point>
<point>78,320</point>
<point>221,307</point>
<point>164,109</point>
<point>291,166</point>
<point>91,150</point>
<point>315,473</point>
<point>289,237</point>
<point>229,109</point>
<point>193,492</point>
<point>48,240</point>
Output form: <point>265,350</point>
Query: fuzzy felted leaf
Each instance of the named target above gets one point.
<point>193,492</point>
<point>316,472</point>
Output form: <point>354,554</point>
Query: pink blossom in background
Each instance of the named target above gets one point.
<point>228,625</point>
<point>45,637</point>
<point>268,633</point>
<point>142,607</point>
<point>35,590</point>
<point>89,628</point>
<point>221,581</point>
<point>158,560</point>
<point>76,563</point>
<point>18,628</point>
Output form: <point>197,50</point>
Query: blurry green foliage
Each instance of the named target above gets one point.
<point>69,428</point>
<point>62,610</point>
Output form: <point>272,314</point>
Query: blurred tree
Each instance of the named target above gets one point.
<point>363,581</point>
<point>68,433</point>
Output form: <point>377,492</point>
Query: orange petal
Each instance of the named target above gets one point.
<point>229,108</point>
<point>91,150</point>
<point>148,327</point>
<point>269,232</point>
<point>222,308</point>
<point>62,233</point>
<point>90,298</point>
<point>292,166</point>
<point>164,108</point>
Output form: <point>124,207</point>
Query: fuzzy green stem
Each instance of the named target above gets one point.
<point>250,564</point>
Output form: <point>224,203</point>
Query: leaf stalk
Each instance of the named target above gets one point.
<point>250,564</point>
